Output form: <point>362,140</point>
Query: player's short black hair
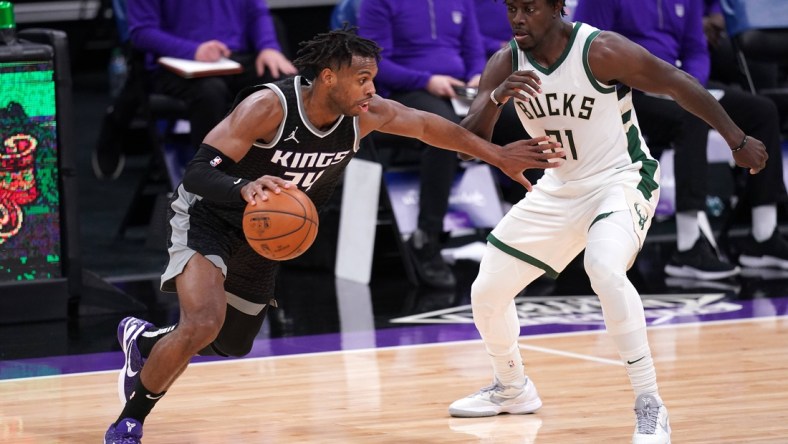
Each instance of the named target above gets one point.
<point>334,49</point>
<point>560,2</point>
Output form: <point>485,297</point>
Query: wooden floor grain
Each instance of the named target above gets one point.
<point>723,383</point>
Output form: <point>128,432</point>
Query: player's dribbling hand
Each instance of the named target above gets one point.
<point>258,190</point>
<point>540,152</point>
<point>753,155</point>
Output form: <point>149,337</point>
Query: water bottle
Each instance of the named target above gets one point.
<point>117,72</point>
<point>7,23</point>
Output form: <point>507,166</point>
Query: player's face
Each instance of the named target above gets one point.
<point>354,87</point>
<point>530,20</point>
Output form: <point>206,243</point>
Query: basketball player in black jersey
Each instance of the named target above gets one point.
<point>292,133</point>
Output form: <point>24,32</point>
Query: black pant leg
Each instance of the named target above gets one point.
<point>207,100</point>
<point>758,117</point>
<point>438,166</point>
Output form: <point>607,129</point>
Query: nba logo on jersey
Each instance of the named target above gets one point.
<point>216,161</point>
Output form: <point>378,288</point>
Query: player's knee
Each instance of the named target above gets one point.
<point>478,289</point>
<point>201,328</point>
<point>482,309</point>
<point>599,269</point>
<point>483,300</point>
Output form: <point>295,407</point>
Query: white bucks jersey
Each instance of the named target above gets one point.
<point>595,123</point>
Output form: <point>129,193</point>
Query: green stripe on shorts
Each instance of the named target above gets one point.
<point>522,256</point>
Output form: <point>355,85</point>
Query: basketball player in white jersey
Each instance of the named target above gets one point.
<point>572,82</point>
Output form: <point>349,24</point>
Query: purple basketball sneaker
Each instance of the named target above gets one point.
<point>126,431</point>
<point>129,330</point>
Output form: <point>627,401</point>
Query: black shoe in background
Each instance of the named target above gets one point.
<point>425,250</point>
<point>771,253</point>
<point>107,158</point>
<point>700,262</point>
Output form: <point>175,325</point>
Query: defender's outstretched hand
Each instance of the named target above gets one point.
<point>540,152</point>
<point>752,155</point>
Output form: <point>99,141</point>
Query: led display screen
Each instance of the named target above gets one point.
<point>30,234</point>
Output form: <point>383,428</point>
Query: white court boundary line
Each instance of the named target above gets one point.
<point>553,351</point>
<point>437,344</point>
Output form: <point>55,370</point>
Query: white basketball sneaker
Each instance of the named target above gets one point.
<point>497,399</point>
<point>652,425</point>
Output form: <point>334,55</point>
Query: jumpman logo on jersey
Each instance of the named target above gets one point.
<point>292,136</point>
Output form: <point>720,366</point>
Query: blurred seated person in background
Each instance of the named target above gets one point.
<point>673,31</point>
<point>429,48</point>
<point>494,26</point>
<point>766,74</point>
<point>241,30</point>
<point>346,11</point>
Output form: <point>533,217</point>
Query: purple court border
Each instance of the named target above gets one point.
<point>386,337</point>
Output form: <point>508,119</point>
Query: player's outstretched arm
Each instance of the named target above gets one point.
<point>394,118</point>
<point>613,57</point>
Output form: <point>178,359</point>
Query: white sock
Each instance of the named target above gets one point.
<point>509,367</point>
<point>764,222</point>
<point>639,364</point>
<point>687,229</point>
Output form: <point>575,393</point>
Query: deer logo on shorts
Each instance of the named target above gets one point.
<point>642,218</point>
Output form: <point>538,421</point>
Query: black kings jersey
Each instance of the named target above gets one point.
<point>308,157</point>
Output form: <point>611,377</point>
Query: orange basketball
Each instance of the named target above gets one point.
<point>283,227</point>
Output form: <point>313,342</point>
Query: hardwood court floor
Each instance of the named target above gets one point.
<point>724,382</point>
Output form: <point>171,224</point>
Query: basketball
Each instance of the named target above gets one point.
<point>283,227</point>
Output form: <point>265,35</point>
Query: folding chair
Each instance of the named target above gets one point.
<point>758,29</point>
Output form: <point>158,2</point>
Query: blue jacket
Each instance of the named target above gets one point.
<point>175,28</point>
<point>346,11</point>
<point>421,38</point>
<point>711,7</point>
<point>670,29</point>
